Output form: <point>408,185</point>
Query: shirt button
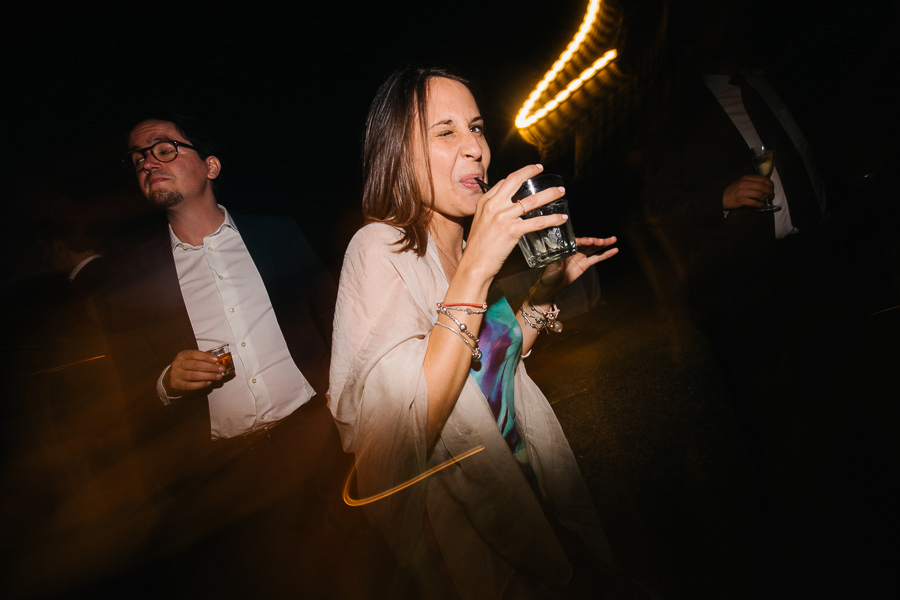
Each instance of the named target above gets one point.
<point>210,248</point>
<point>232,309</point>
<point>221,277</point>
<point>243,344</point>
<point>253,380</point>
<point>262,418</point>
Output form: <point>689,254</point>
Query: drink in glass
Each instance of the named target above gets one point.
<point>764,163</point>
<point>548,245</point>
<point>223,357</point>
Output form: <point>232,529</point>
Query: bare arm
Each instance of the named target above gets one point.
<point>496,229</point>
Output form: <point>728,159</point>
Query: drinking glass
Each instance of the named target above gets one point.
<point>549,245</point>
<point>223,357</point>
<point>764,163</point>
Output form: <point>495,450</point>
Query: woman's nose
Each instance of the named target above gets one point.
<point>471,146</point>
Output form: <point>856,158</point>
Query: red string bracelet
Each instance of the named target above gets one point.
<point>482,305</point>
<point>468,308</point>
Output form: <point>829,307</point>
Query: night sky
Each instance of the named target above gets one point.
<point>288,89</point>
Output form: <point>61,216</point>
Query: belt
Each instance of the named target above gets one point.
<point>265,434</point>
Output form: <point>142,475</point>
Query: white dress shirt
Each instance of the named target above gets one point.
<point>227,303</point>
<point>729,97</point>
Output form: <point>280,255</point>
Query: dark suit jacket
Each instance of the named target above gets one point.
<point>147,324</point>
<point>690,164</point>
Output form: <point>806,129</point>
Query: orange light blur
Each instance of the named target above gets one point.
<point>526,117</point>
<point>363,501</point>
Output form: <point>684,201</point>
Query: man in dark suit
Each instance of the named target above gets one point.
<point>749,273</point>
<point>242,464</point>
<point>764,286</point>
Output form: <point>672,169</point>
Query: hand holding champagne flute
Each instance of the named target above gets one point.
<point>764,163</point>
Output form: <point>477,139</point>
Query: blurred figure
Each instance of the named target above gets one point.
<point>757,279</point>
<point>779,293</point>
<point>78,507</point>
<point>244,463</point>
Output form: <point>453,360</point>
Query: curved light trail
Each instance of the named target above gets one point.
<point>363,501</point>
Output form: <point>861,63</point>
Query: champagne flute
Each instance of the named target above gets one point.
<point>764,163</point>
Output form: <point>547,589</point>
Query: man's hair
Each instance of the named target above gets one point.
<point>195,129</point>
<point>391,190</point>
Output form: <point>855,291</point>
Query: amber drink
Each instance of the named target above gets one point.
<point>223,357</point>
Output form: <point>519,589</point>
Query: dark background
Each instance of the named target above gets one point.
<point>287,87</point>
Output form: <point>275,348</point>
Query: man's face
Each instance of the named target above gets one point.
<point>168,184</point>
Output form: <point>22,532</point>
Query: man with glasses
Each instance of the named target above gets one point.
<point>232,451</point>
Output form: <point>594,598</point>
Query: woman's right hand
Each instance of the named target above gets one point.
<point>497,224</point>
<point>496,229</point>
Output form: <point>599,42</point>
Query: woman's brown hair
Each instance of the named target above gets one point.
<point>391,192</point>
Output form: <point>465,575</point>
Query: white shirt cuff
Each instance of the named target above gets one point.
<point>164,397</point>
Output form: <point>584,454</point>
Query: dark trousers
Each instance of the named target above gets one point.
<point>268,520</point>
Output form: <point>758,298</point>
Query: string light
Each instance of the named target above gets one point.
<point>525,118</point>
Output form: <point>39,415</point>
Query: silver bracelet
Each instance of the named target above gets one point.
<point>462,326</point>
<point>468,308</point>
<point>476,351</point>
<point>547,321</point>
<point>534,326</point>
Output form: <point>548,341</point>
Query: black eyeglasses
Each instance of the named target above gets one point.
<point>163,151</point>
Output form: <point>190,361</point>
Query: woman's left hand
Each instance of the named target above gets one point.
<point>559,275</point>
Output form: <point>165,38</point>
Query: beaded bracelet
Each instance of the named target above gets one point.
<point>476,351</point>
<point>469,309</point>
<point>462,326</point>
<point>534,326</point>
<point>547,321</point>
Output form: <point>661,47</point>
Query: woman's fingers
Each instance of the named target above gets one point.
<point>505,188</point>
<point>592,241</point>
<point>541,198</point>
<point>538,223</point>
<point>517,178</point>
<point>594,258</point>
<point>590,245</point>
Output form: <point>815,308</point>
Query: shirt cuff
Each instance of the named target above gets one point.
<point>161,393</point>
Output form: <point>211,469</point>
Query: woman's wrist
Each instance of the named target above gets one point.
<point>473,274</point>
<point>551,281</point>
<point>540,318</point>
<point>541,294</point>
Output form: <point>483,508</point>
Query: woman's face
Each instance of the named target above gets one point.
<point>456,147</point>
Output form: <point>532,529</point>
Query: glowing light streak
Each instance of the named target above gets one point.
<point>65,366</point>
<point>525,118</point>
<point>363,501</point>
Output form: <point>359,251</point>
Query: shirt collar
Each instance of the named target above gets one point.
<point>81,265</point>
<point>716,83</point>
<point>228,222</point>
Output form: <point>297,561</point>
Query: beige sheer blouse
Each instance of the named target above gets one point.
<point>486,518</point>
